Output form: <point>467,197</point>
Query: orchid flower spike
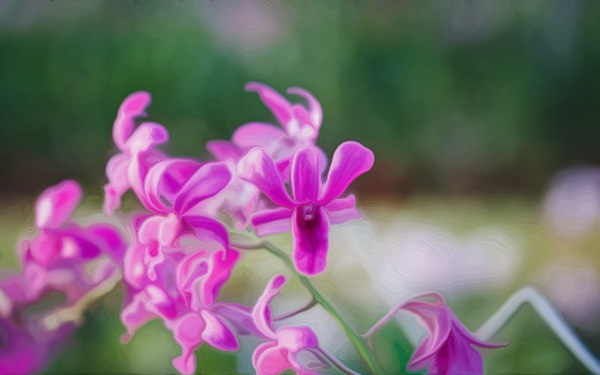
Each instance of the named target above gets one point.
<point>449,348</point>
<point>314,205</point>
<point>279,353</point>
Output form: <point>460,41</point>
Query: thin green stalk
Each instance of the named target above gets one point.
<point>358,343</point>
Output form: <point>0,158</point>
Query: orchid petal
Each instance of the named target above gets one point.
<point>132,107</point>
<point>258,168</point>
<point>239,316</point>
<point>306,178</point>
<point>315,112</point>
<point>56,204</point>
<point>280,107</point>
<point>341,210</point>
<point>134,269</point>
<point>217,334</point>
<point>310,231</point>
<point>207,229</point>
<point>261,313</point>
<point>350,160</point>
<point>146,136</point>
<point>164,181</point>
<point>272,221</point>
<point>206,182</point>
<point>257,134</point>
<point>188,331</point>
<point>223,150</point>
<point>222,266</point>
<point>296,338</point>
<point>272,360</point>
<point>118,183</point>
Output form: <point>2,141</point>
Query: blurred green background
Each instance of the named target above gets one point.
<point>471,108</point>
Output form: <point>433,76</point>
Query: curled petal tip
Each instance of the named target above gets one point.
<point>135,103</point>
<point>57,203</point>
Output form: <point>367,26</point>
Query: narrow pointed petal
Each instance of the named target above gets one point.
<point>206,182</point>
<point>306,178</point>
<point>267,222</point>
<point>281,108</point>
<point>56,204</point>
<point>258,168</point>
<point>341,210</point>
<point>350,160</point>
<point>217,334</point>
<point>310,233</point>
<point>132,107</point>
<point>438,322</point>
<point>315,112</point>
<point>261,313</point>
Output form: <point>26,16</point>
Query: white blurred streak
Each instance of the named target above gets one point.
<point>573,285</point>
<point>571,207</point>
<point>549,314</point>
<point>421,257</point>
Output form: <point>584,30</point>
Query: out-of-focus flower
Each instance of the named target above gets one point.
<point>77,262</point>
<point>449,347</point>
<point>572,205</point>
<point>279,353</point>
<point>64,257</point>
<point>314,205</point>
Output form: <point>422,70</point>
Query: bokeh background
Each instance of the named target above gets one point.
<point>483,117</point>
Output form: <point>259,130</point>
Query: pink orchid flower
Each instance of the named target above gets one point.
<point>128,169</point>
<point>64,256</point>
<point>279,353</point>
<point>300,129</point>
<point>314,205</point>
<point>449,347</point>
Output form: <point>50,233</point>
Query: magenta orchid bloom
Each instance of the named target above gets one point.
<point>64,256</point>
<point>279,354</point>
<point>449,347</point>
<point>314,205</point>
<point>300,129</point>
<point>128,169</point>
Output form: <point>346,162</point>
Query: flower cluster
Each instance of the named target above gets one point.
<point>177,253</point>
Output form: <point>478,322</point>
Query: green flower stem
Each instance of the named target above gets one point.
<point>358,343</point>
